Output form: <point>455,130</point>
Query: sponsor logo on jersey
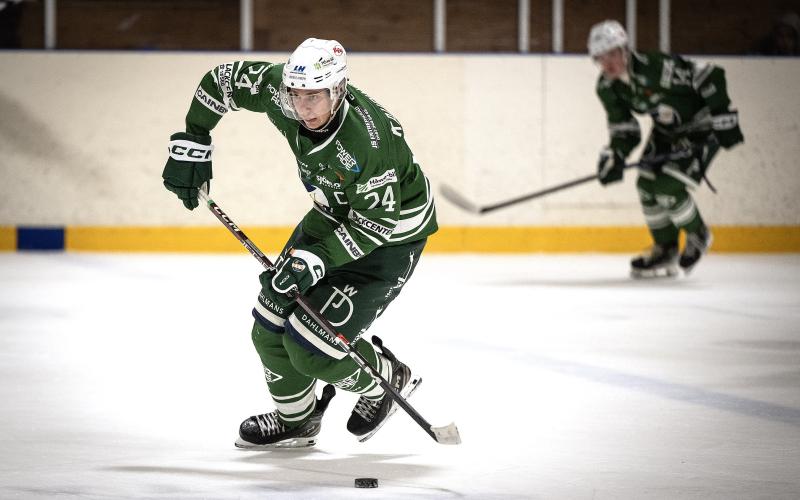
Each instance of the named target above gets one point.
<point>375,182</point>
<point>348,242</point>
<point>209,102</point>
<point>346,159</point>
<point>272,306</point>
<point>374,136</point>
<point>304,169</point>
<point>274,92</point>
<point>339,308</point>
<point>369,224</point>
<point>394,123</point>
<point>324,181</point>
<point>224,75</point>
<point>318,330</point>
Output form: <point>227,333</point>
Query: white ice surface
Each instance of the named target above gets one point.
<point>126,376</point>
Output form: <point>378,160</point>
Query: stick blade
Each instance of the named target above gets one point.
<point>458,200</point>
<point>447,434</point>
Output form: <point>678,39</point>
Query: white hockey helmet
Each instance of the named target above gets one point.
<point>605,36</point>
<point>315,64</point>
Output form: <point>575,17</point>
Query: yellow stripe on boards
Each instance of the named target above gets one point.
<point>171,239</point>
<point>449,239</point>
<point>482,239</point>
<point>569,239</point>
<point>8,238</point>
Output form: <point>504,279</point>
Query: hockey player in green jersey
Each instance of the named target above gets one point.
<point>350,255</point>
<point>690,108</point>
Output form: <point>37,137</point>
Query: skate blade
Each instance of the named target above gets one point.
<point>688,269</point>
<point>662,272</point>
<point>407,391</point>
<point>286,444</point>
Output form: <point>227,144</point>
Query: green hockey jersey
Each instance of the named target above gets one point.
<point>366,186</point>
<point>680,95</point>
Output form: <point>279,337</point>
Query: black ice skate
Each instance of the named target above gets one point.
<point>369,415</point>
<point>696,245</point>
<point>263,432</point>
<point>659,261</point>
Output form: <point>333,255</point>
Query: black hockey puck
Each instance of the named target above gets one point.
<point>366,482</point>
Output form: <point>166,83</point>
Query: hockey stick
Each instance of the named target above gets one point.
<point>443,435</point>
<point>460,201</point>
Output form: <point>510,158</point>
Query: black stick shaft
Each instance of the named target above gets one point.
<point>302,301</point>
<point>537,194</point>
<point>364,364</point>
<point>559,187</point>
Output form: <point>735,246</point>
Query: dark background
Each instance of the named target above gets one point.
<point>697,27</point>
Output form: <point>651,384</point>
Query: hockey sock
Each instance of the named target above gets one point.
<point>684,215</point>
<point>291,391</point>
<point>659,223</point>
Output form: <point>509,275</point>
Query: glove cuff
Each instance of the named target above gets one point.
<point>315,265</point>
<point>725,121</point>
<point>190,151</point>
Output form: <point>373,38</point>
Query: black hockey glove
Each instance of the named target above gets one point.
<point>188,166</point>
<point>610,166</point>
<point>726,128</point>
<point>301,270</point>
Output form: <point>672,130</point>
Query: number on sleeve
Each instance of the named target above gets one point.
<point>388,199</point>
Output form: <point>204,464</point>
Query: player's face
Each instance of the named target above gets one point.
<point>613,63</point>
<point>313,106</point>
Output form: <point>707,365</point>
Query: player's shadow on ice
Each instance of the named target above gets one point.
<point>299,470</point>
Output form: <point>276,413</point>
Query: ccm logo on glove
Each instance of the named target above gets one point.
<point>189,151</point>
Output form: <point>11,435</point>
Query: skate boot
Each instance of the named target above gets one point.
<point>369,415</point>
<point>658,262</point>
<point>264,432</point>
<point>697,244</point>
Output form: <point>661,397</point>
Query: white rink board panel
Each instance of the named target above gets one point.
<point>87,148</point>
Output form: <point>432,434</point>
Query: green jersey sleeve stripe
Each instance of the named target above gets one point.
<point>396,236</point>
<point>369,236</point>
<point>424,206</point>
